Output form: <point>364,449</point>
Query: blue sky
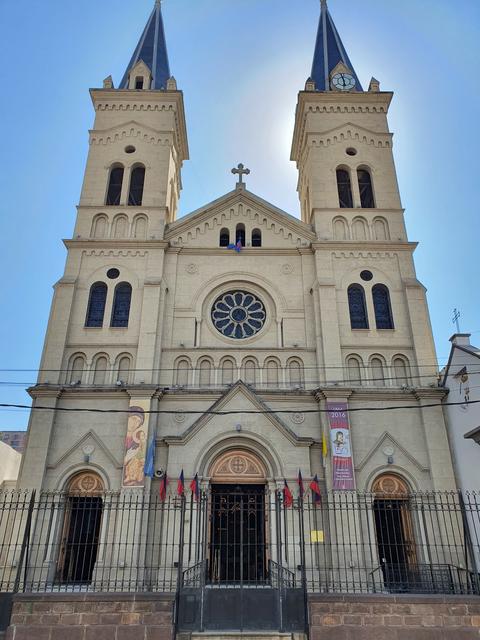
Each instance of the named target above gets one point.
<point>240,65</point>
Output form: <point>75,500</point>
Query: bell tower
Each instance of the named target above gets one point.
<point>342,144</point>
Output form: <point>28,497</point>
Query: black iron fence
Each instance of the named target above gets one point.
<point>240,537</point>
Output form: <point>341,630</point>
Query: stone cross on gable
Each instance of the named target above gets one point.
<point>240,171</point>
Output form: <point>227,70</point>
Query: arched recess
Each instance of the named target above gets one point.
<point>76,368</point>
<point>354,369</point>
<point>250,371</point>
<point>120,226</point>
<point>377,371</point>
<point>140,225</point>
<point>204,373</point>
<point>390,485</point>
<point>122,368</point>
<point>380,229</point>
<point>182,372</point>
<point>100,369</point>
<point>228,368</point>
<point>359,229</point>
<point>99,226</point>
<point>340,229</point>
<point>271,371</point>
<point>238,466</point>
<point>295,372</point>
<point>401,369</point>
<point>80,534</point>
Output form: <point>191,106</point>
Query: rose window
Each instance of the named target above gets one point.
<point>238,314</point>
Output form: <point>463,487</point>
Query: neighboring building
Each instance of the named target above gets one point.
<point>9,466</point>
<point>266,325</point>
<point>16,439</point>
<point>462,379</point>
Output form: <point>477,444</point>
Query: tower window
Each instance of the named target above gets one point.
<point>224,238</point>
<point>344,189</point>
<point>357,307</point>
<point>382,306</point>
<point>256,238</point>
<point>139,82</point>
<point>121,305</point>
<point>96,305</point>
<point>115,186</point>
<point>366,189</point>
<point>240,234</point>
<point>137,180</point>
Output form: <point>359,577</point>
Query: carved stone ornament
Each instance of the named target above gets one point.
<point>287,269</point>
<point>297,418</point>
<point>86,483</point>
<point>179,417</point>
<point>191,268</point>
<point>238,466</point>
<point>390,486</point>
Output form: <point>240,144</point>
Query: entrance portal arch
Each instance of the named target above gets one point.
<point>238,466</point>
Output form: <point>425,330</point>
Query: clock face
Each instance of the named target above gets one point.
<point>343,81</point>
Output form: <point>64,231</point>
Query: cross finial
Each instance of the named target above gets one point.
<point>456,316</point>
<point>240,171</point>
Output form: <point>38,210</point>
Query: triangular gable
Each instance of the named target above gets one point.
<point>257,404</point>
<point>90,435</point>
<point>215,214</point>
<point>383,438</point>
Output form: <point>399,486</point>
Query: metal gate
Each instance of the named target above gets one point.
<point>242,567</point>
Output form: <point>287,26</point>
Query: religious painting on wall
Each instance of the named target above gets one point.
<point>135,446</point>
<point>342,462</point>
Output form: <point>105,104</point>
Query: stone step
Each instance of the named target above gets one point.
<point>239,635</point>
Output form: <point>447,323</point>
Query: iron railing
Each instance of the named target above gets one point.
<point>240,536</point>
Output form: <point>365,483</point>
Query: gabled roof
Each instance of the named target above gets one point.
<point>257,404</point>
<point>465,348</point>
<point>152,50</point>
<point>246,197</point>
<point>329,51</point>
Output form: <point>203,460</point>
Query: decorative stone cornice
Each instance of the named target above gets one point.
<point>115,244</point>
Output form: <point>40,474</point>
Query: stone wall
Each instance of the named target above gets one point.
<point>84,616</point>
<point>402,617</point>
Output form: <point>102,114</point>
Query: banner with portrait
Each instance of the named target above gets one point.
<point>136,443</point>
<point>340,442</point>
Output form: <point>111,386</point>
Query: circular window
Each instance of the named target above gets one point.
<point>366,275</point>
<point>113,274</point>
<point>238,314</point>
<point>130,149</point>
<point>351,151</point>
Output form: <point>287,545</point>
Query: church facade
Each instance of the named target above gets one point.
<point>238,344</point>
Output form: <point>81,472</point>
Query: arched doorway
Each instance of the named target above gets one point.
<point>238,531</point>
<point>394,531</point>
<point>81,528</point>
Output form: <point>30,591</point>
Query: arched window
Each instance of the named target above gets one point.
<point>121,305</point>
<point>77,365</point>
<point>354,370</point>
<point>295,373</point>
<point>340,229</point>
<point>183,368</point>
<point>357,307</point>
<point>100,371</point>
<point>256,238</point>
<point>99,227</point>
<point>271,374</point>
<point>96,305</point>
<point>140,227</point>
<point>227,371</point>
<point>359,228</point>
<point>249,373</point>
<point>344,189</point>
<point>115,182</point>
<point>401,369</point>
<point>380,229</point>
<point>224,237</point>
<point>120,227</point>
<point>376,368</point>
<point>205,374</point>
<point>123,372</point>
<point>366,189</point>
<point>240,234</point>
<point>383,309</point>
<point>137,179</point>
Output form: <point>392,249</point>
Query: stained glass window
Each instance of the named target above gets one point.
<point>238,314</point>
<point>137,179</point>
<point>121,305</point>
<point>344,189</point>
<point>115,186</point>
<point>357,306</point>
<point>383,309</point>
<point>96,305</point>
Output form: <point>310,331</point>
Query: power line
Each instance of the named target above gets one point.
<point>237,412</point>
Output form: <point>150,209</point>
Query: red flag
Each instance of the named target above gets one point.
<point>195,488</point>
<point>301,488</point>
<point>163,487</point>
<point>287,495</point>
<point>316,493</point>
<point>181,485</point>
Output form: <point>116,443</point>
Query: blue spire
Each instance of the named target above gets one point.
<point>329,51</point>
<point>152,49</point>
